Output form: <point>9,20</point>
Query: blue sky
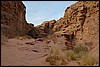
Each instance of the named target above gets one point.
<point>40,11</point>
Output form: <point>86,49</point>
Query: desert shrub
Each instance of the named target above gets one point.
<point>79,55</point>
<point>77,52</point>
<point>3,38</point>
<point>89,60</point>
<point>82,53</point>
<point>80,48</point>
<point>55,57</point>
<point>70,55</point>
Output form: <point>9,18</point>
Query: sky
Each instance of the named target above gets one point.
<point>39,11</point>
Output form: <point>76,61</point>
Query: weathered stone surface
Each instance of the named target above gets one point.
<point>82,19</point>
<point>13,21</point>
<point>80,22</point>
<point>45,28</point>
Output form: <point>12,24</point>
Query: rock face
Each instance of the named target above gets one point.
<point>81,19</point>
<point>13,22</point>
<point>80,23</point>
<point>45,28</point>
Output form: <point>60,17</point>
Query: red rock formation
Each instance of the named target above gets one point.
<point>81,19</point>
<point>45,28</point>
<point>13,22</point>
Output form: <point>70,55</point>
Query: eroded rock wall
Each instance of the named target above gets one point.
<point>80,23</point>
<point>45,28</point>
<point>13,22</point>
<point>81,19</point>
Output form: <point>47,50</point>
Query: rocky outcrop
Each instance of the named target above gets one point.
<point>81,19</point>
<point>13,22</point>
<point>80,23</point>
<point>45,28</point>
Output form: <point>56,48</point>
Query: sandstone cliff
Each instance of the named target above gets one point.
<point>13,22</point>
<point>80,23</point>
<point>45,28</point>
<point>72,40</point>
<point>82,18</point>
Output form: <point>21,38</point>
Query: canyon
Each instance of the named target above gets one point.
<point>78,26</point>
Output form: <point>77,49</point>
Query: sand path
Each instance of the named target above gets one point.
<point>15,52</point>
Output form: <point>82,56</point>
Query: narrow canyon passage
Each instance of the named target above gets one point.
<point>72,40</point>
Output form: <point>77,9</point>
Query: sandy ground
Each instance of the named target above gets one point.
<point>15,52</point>
<point>26,52</point>
<point>29,52</point>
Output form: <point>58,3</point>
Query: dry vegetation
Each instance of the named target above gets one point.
<point>89,60</point>
<point>55,57</point>
<point>79,53</point>
<point>3,39</point>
